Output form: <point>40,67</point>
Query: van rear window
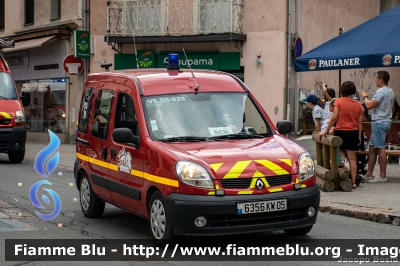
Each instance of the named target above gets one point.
<point>7,87</point>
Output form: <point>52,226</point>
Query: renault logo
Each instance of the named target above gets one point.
<point>260,184</point>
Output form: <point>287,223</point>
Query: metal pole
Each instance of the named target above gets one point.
<point>340,71</point>
<point>297,75</point>
<point>289,37</point>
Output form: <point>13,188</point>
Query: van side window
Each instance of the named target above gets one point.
<point>125,115</point>
<point>101,114</point>
<point>86,107</point>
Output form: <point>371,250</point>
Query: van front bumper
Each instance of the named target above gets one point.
<point>12,139</point>
<point>222,217</point>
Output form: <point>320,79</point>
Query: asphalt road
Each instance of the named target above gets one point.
<point>16,180</point>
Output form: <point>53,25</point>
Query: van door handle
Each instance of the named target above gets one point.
<point>104,153</point>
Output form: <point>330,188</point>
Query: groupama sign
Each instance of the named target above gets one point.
<point>213,60</point>
<point>82,44</point>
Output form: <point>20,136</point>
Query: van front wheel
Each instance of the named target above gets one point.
<point>91,205</point>
<point>16,157</point>
<point>159,220</point>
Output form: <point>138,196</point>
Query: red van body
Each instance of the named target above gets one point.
<point>12,118</point>
<point>215,180</point>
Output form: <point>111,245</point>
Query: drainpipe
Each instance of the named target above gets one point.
<point>289,38</point>
<point>84,28</point>
<point>297,75</point>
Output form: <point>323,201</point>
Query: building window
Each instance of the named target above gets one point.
<point>143,17</point>
<point>55,9</point>
<point>29,12</point>
<point>385,5</point>
<point>2,14</point>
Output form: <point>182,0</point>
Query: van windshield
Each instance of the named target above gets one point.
<point>7,88</point>
<point>204,115</point>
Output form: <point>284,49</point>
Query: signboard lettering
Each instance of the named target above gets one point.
<point>19,60</point>
<point>46,67</point>
<point>339,62</point>
<point>397,59</point>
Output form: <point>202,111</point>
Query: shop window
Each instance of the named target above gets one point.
<point>47,109</point>
<point>385,5</point>
<point>101,114</point>
<point>55,9</point>
<point>29,12</point>
<point>2,14</point>
<point>125,115</point>
<point>86,107</point>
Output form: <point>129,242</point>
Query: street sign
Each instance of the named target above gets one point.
<point>298,47</point>
<point>82,44</point>
<point>73,65</point>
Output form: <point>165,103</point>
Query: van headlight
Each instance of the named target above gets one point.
<point>193,174</point>
<point>306,167</point>
<point>19,118</point>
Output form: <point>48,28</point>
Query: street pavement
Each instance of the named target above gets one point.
<point>15,208</point>
<point>376,202</point>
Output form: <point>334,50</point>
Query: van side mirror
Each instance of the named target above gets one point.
<point>125,136</point>
<point>25,98</point>
<point>284,127</point>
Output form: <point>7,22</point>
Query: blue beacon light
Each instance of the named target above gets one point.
<point>173,62</point>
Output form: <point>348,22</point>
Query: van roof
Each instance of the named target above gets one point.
<point>160,81</point>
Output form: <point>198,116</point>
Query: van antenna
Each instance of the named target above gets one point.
<point>195,81</point>
<point>134,43</point>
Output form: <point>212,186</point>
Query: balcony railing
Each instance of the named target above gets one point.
<point>173,17</point>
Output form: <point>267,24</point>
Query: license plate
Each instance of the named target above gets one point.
<point>262,206</point>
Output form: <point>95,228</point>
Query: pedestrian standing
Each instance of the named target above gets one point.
<point>347,116</point>
<point>381,105</point>
<point>329,94</point>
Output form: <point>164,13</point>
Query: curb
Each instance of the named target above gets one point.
<point>374,214</point>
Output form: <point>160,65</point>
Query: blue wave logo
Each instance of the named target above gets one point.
<point>35,200</point>
<point>45,153</point>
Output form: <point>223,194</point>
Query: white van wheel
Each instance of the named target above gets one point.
<point>159,221</point>
<point>91,205</point>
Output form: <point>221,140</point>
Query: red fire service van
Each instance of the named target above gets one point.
<point>174,147</point>
<point>12,117</point>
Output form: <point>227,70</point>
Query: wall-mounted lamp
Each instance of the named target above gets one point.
<point>259,61</point>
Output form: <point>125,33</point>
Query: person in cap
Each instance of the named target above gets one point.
<point>347,116</point>
<point>317,112</point>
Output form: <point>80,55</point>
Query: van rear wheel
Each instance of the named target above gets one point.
<point>91,205</point>
<point>159,220</point>
<point>16,157</point>
<point>299,231</point>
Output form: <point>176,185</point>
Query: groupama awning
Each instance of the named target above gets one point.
<point>375,43</point>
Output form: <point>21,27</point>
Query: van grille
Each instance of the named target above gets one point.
<point>245,182</point>
<point>236,183</point>
<point>233,220</point>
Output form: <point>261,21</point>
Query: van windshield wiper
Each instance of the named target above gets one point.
<point>4,98</point>
<point>184,139</point>
<point>238,136</point>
